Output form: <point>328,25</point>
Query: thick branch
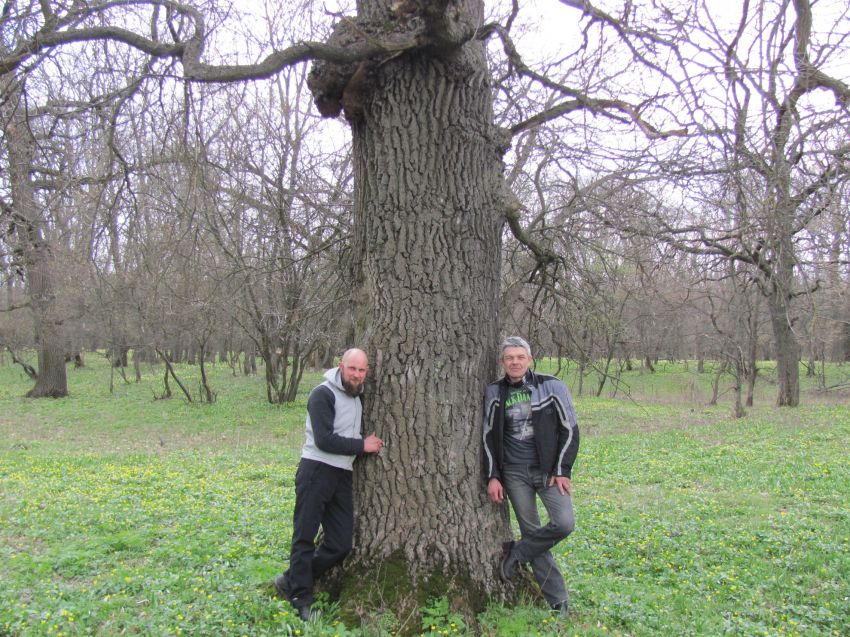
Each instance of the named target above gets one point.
<point>29,370</point>
<point>300,52</point>
<point>190,51</point>
<point>542,255</point>
<point>811,77</point>
<point>598,107</point>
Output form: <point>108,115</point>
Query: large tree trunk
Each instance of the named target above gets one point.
<point>787,351</point>
<point>840,332</point>
<point>32,243</point>
<point>779,299</point>
<point>428,179</point>
<point>52,379</point>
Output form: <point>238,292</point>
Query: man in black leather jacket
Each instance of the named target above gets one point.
<point>531,440</point>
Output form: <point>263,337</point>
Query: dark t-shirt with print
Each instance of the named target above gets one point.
<point>519,434</point>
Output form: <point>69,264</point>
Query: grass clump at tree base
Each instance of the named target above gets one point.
<point>386,596</point>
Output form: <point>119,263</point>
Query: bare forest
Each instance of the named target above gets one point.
<point>263,184</point>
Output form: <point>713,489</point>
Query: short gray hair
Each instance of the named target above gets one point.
<point>514,341</point>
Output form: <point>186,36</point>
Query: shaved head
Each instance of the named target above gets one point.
<point>353,367</point>
<point>348,354</point>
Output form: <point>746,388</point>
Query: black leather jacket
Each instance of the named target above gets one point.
<point>553,418</point>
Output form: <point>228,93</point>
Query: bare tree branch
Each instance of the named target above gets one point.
<point>581,99</point>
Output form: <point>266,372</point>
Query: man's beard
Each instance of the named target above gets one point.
<point>352,389</point>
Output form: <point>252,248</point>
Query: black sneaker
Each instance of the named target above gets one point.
<point>509,563</point>
<point>561,609</point>
<point>304,612</point>
<point>307,613</point>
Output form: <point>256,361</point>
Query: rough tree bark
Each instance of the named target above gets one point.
<point>751,354</point>
<point>428,217</point>
<point>787,350</point>
<point>32,245</point>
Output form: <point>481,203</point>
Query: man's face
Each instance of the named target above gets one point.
<point>353,371</point>
<point>515,361</point>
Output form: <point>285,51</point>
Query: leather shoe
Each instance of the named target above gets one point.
<point>509,563</point>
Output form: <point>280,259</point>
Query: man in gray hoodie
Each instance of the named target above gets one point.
<point>323,486</point>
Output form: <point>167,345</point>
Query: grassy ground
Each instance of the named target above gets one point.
<point>121,514</point>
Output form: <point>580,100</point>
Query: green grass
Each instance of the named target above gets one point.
<point>121,514</point>
<point>680,382</point>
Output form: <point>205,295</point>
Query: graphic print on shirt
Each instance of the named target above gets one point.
<point>519,434</point>
<point>518,414</point>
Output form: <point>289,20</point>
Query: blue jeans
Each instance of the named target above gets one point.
<point>523,484</point>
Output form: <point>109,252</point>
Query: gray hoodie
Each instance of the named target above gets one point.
<point>333,424</point>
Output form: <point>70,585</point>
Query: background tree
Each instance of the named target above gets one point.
<point>277,217</point>
<point>773,151</point>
